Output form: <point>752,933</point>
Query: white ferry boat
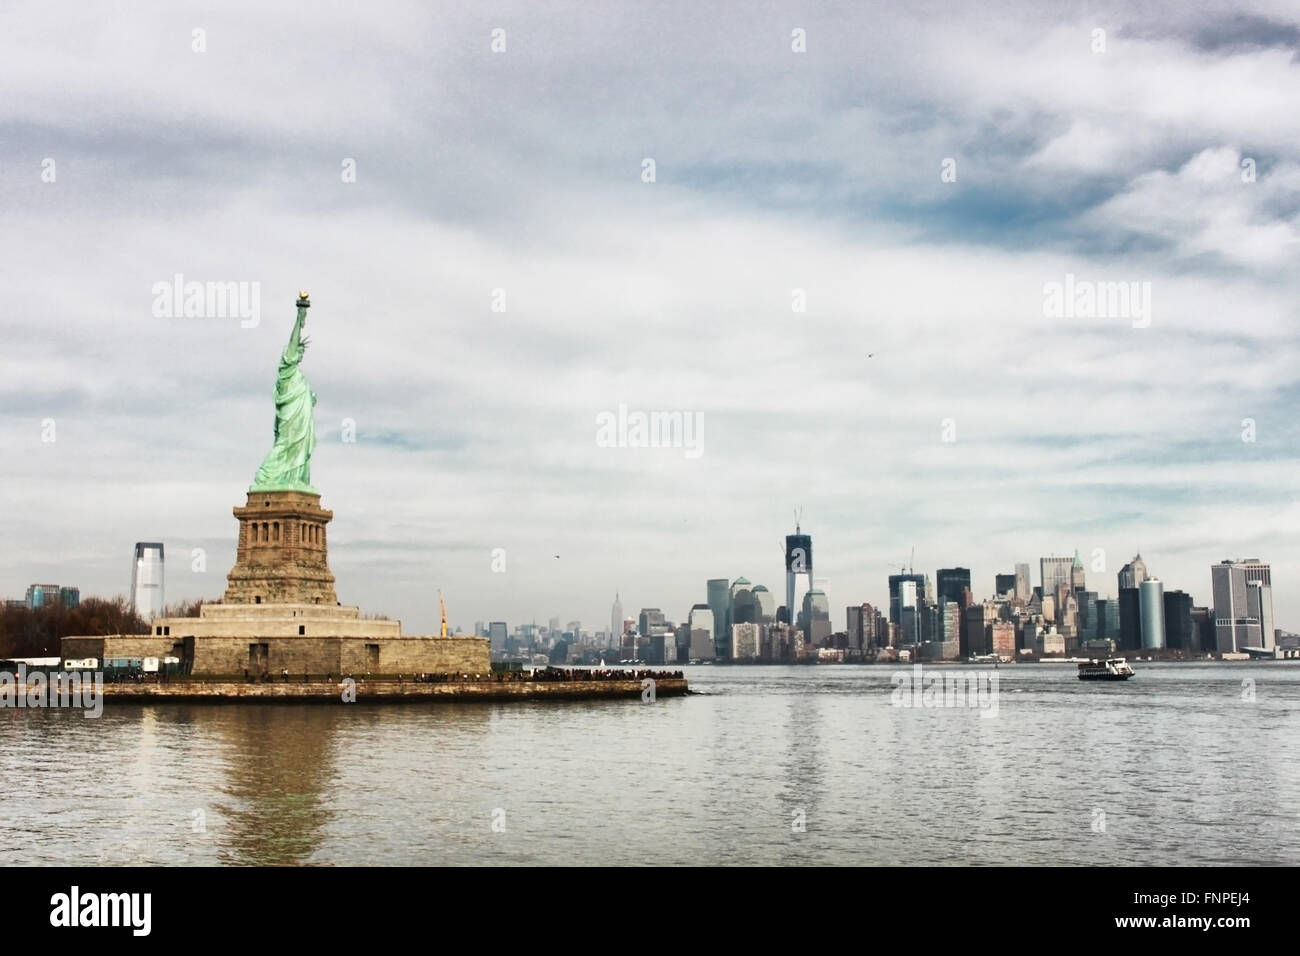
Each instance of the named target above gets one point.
<point>1115,668</point>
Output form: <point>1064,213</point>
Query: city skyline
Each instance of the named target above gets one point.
<point>1105,584</point>
<point>883,223</point>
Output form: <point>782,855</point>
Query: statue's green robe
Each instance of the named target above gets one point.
<point>288,465</point>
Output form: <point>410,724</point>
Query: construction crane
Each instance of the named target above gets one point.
<point>442,605</point>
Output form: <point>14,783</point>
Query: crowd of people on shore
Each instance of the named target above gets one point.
<point>595,674</point>
<point>547,674</point>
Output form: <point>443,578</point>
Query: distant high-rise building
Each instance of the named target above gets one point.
<point>663,647</point>
<point>745,641</point>
<point>816,617</point>
<point>1258,572</point>
<point>1259,604</point>
<point>742,608</point>
<point>950,628</point>
<point>497,636</point>
<point>1234,627</point>
<point>908,606</point>
<point>1151,607</point>
<point>979,633</point>
<point>1054,573</point>
<point>700,625</point>
<point>950,583</point>
<point>896,582</point>
<point>42,595</point>
<point>1023,587</point>
<point>1078,578</point>
<point>865,628</point>
<point>1002,639</point>
<point>1108,618</point>
<point>719,598</point>
<point>147,579</point>
<point>1130,620</point>
<point>651,622</point>
<point>1133,574</point>
<point>764,605</point>
<point>1203,620</point>
<point>1004,585</point>
<point>1089,625</point>
<point>1180,628</point>
<point>616,617</point>
<point>798,560</point>
<point>70,597</point>
<point>1068,617</point>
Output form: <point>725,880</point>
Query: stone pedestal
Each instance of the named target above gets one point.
<point>282,556</point>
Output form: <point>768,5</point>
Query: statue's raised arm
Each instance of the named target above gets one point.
<point>287,467</point>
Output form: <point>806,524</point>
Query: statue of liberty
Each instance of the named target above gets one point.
<point>287,467</point>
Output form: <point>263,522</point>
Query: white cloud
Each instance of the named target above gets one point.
<point>477,429</point>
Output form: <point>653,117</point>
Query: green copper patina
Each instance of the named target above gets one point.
<point>287,466</point>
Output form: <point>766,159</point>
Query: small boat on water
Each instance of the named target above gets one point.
<point>1114,668</point>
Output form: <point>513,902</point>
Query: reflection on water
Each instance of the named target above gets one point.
<point>1176,766</point>
<point>278,760</point>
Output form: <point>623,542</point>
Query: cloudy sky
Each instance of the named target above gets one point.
<point>924,399</point>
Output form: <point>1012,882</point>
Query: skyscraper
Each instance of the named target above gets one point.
<point>745,642</point>
<point>700,624</point>
<point>1234,628</point>
<point>1130,619</point>
<point>719,599</point>
<point>742,609</point>
<point>816,617</point>
<point>950,584</point>
<point>907,605</point>
<point>1133,574</point>
<point>497,637</point>
<point>1180,628</point>
<point>764,605</point>
<point>1257,572</point>
<point>1151,604</point>
<point>1078,577</point>
<point>1108,618</point>
<point>1023,587</point>
<point>917,594</point>
<point>1089,625</point>
<point>864,630</point>
<point>1259,604</point>
<point>1054,573</point>
<point>950,613</point>
<point>147,579</point>
<point>651,622</point>
<point>853,626</point>
<point>798,560</point>
<point>43,595</point>
<point>1004,585</point>
<point>616,621</point>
